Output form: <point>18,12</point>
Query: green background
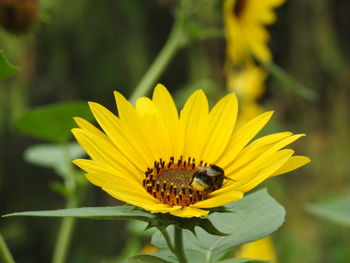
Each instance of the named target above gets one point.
<point>84,50</point>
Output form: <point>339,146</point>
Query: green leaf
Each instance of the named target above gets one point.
<point>191,255</point>
<point>57,157</point>
<point>255,216</point>
<point>337,210</point>
<point>145,259</point>
<point>290,82</point>
<point>108,212</point>
<point>52,122</point>
<point>242,260</point>
<point>6,68</point>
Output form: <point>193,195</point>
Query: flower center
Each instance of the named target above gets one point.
<point>239,7</point>
<point>181,183</point>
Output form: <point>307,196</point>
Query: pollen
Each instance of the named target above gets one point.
<point>170,182</point>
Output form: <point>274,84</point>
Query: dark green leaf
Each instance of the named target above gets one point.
<point>6,68</point>
<point>55,156</point>
<point>221,209</point>
<point>165,220</point>
<point>146,259</point>
<point>52,122</point>
<point>337,210</point>
<point>208,226</point>
<point>255,216</point>
<point>108,212</point>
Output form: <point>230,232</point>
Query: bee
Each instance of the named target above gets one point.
<point>208,178</point>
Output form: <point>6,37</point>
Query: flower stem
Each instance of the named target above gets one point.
<point>179,249</point>
<point>67,224</point>
<point>5,254</point>
<point>175,41</point>
<point>64,236</point>
<point>167,239</point>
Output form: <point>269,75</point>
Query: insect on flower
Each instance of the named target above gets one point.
<point>208,178</point>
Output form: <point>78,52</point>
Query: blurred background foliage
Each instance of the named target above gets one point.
<point>84,50</point>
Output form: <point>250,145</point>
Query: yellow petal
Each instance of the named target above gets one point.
<point>237,49</point>
<point>136,195</point>
<point>262,249</point>
<point>241,137</point>
<point>85,125</point>
<point>129,192</point>
<point>160,208</point>
<point>133,124</point>
<point>252,158</point>
<point>121,137</point>
<point>277,161</point>
<point>293,163</point>
<point>97,148</point>
<point>155,128</point>
<point>189,211</point>
<point>222,120</point>
<point>194,120</point>
<point>257,38</point>
<point>144,107</point>
<point>257,174</point>
<point>101,178</point>
<point>219,200</point>
<point>165,103</point>
<point>259,146</point>
<point>96,180</point>
<point>262,12</point>
<point>92,166</point>
<point>103,174</point>
<point>168,112</point>
<point>104,152</point>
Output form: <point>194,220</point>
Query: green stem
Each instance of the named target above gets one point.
<point>5,254</point>
<point>67,225</point>
<point>64,236</point>
<point>289,81</point>
<point>69,180</point>
<point>179,248</point>
<point>176,40</point>
<point>167,239</point>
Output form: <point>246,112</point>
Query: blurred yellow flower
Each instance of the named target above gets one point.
<point>262,249</point>
<point>149,249</point>
<point>247,83</point>
<point>245,22</point>
<point>151,157</point>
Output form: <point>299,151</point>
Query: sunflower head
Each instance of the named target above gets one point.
<point>184,164</point>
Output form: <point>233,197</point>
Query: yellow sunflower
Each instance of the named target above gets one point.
<point>151,157</point>
<point>245,22</point>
